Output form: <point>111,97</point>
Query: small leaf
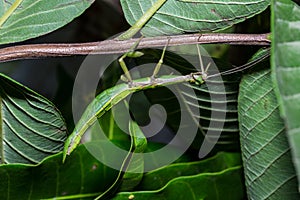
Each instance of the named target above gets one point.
<point>31,126</point>
<point>286,69</point>
<point>269,172</point>
<point>33,18</point>
<point>176,17</point>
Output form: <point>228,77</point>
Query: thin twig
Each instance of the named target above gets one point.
<point>114,46</point>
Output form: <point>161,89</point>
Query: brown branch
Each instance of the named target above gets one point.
<point>118,46</point>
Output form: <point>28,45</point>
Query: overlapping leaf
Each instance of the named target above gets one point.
<point>269,172</point>
<point>33,18</point>
<point>226,184</point>
<point>81,174</point>
<point>176,16</point>
<point>286,69</point>
<point>31,126</point>
<point>156,179</point>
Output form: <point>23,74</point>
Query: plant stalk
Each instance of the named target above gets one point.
<point>118,46</point>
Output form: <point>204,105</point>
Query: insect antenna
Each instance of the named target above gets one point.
<point>242,67</point>
<point>160,62</point>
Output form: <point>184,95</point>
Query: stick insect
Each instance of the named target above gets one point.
<point>112,96</point>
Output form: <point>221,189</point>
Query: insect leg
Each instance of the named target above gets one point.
<point>203,71</point>
<point>160,62</point>
<point>131,53</point>
<point>200,59</point>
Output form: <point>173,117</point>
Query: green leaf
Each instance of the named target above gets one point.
<point>31,126</point>
<point>81,175</point>
<point>156,179</point>
<point>226,184</point>
<point>33,18</point>
<point>268,167</point>
<point>176,17</point>
<point>285,68</point>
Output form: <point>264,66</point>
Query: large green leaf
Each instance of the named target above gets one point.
<point>268,167</point>
<point>176,17</point>
<point>226,184</point>
<point>31,126</point>
<point>156,179</point>
<point>33,18</point>
<point>286,69</point>
<point>81,175</point>
<point>84,176</point>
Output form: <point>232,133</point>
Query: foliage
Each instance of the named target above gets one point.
<point>260,145</point>
<point>177,16</point>
<point>32,128</point>
<point>255,157</point>
<point>285,70</point>
<point>34,18</point>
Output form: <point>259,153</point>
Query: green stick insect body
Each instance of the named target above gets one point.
<point>112,96</point>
